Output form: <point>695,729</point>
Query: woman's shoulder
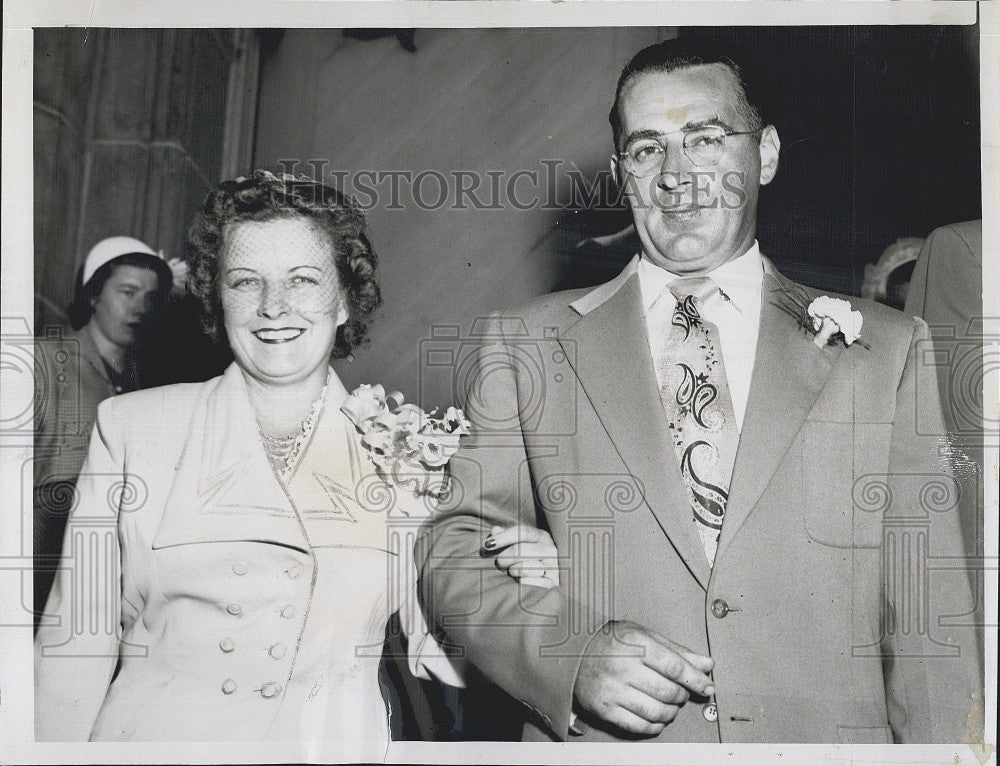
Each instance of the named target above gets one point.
<point>177,397</point>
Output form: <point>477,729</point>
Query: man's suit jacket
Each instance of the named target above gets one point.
<point>829,607</point>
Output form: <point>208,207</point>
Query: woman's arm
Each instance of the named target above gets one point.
<point>76,646</point>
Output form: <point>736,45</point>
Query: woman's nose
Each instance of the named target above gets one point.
<point>273,302</point>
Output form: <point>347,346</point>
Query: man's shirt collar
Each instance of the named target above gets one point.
<point>739,280</point>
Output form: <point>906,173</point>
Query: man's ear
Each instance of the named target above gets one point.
<point>770,147</point>
<point>614,168</point>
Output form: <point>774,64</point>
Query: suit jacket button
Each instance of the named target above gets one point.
<point>269,690</point>
<point>710,712</point>
<point>227,645</point>
<point>228,686</point>
<point>720,608</point>
<point>235,610</point>
<point>277,651</point>
<point>240,568</point>
<point>288,612</point>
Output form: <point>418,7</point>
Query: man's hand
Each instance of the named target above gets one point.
<point>640,694</point>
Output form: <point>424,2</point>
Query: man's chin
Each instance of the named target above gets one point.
<point>680,252</point>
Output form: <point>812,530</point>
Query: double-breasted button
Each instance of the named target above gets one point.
<point>277,651</point>
<point>710,712</point>
<point>240,568</point>
<point>235,610</point>
<point>227,645</point>
<point>288,612</point>
<point>228,686</point>
<point>720,608</point>
<point>269,690</point>
<point>294,572</point>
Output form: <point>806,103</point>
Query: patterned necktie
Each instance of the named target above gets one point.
<point>695,394</point>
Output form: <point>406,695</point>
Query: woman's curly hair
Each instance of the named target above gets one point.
<point>264,197</point>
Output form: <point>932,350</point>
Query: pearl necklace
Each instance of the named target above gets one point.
<point>284,451</point>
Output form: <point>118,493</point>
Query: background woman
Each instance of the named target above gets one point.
<point>121,286</point>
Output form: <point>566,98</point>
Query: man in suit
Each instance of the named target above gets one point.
<point>755,525</point>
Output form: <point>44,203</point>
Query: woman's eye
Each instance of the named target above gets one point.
<point>300,279</point>
<point>245,283</point>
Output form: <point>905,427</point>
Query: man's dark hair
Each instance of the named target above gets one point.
<point>684,52</point>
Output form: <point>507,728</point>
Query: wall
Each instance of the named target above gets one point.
<point>128,130</point>
<point>483,101</point>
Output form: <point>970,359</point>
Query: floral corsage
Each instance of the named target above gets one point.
<point>826,319</point>
<point>409,447</point>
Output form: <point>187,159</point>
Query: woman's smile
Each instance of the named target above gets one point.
<point>278,334</point>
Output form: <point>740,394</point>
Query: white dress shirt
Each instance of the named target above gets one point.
<point>735,310</point>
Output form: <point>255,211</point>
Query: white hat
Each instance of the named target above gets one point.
<point>111,248</point>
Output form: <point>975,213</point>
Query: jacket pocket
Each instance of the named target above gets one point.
<point>841,507</point>
<point>865,735</point>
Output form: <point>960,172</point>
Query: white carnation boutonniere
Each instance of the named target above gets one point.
<point>826,319</point>
<point>832,317</point>
<point>409,447</point>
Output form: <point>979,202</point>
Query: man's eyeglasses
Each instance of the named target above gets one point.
<point>703,146</point>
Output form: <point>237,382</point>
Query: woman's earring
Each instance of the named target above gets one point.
<point>342,314</point>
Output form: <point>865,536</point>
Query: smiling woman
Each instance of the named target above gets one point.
<point>257,555</point>
<point>286,268</point>
<point>246,565</point>
<point>281,297</point>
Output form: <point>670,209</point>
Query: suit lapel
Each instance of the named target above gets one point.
<point>789,373</point>
<point>609,351</point>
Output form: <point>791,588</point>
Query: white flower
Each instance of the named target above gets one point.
<point>436,449</point>
<point>407,445</point>
<point>364,404</point>
<point>831,316</point>
<point>180,271</point>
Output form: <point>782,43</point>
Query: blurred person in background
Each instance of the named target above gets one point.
<point>121,287</point>
<point>946,291</point>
